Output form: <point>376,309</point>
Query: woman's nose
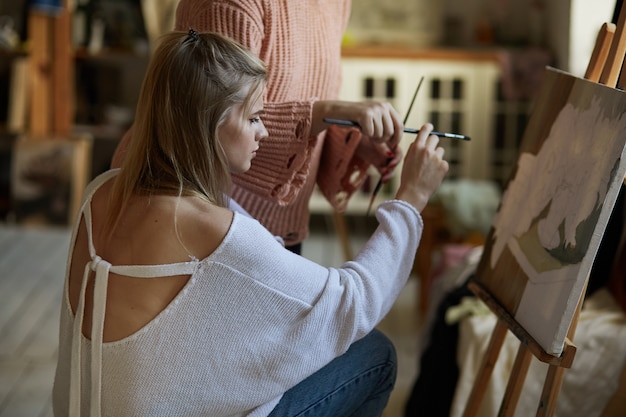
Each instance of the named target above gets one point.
<point>262,133</point>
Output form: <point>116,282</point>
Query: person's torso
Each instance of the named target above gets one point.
<point>302,49</point>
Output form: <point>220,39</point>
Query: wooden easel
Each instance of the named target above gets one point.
<point>604,67</point>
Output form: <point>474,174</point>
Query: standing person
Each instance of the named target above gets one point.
<point>175,305</point>
<point>300,42</point>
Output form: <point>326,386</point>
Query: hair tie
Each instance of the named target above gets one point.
<point>194,35</point>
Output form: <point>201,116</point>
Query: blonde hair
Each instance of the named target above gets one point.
<point>192,83</point>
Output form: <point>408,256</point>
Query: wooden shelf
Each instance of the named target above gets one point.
<point>444,54</point>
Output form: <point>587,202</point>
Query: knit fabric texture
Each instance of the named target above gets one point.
<point>253,320</point>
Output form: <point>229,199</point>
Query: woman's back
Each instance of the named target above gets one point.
<point>244,324</point>
<point>146,235</point>
<point>172,332</point>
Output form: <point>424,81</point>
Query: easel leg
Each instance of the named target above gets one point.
<point>516,382</point>
<point>342,232</point>
<point>486,369</point>
<point>551,390</point>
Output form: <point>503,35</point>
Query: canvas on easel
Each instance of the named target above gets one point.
<point>555,207</point>
<point>535,265</point>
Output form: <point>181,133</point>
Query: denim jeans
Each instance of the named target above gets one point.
<point>355,384</point>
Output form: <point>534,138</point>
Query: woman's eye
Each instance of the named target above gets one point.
<point>255,120</point>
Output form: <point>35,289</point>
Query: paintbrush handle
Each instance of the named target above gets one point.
<point>406,129</point>
<point>374,194</point>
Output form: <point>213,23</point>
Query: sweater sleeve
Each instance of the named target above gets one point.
<point>348,301</point>
<point>300,315</point>
<point>381,268</point>
<point>341,172</point>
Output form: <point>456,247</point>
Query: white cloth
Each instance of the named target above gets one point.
<point>470,205</point>
<point>253,320</point>
<point>587,386</point>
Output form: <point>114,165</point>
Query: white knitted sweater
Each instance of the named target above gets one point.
<point>253,321</point>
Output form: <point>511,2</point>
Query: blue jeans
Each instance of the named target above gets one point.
<point>355,384</point>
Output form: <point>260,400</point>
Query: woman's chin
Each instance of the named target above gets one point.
<point>239,169</point>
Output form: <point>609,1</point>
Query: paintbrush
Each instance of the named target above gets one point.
<point>406,119</point>
<point>405,130</point>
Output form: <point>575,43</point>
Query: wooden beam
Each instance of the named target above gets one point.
<point>600,52</point>
<point>52,72</point>
<point>62,74</point>
<point>615,59</point>
<point>40,30</point>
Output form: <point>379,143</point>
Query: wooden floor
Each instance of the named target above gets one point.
<point>32,266</point>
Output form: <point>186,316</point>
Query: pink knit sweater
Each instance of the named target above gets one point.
<point>300,42</point>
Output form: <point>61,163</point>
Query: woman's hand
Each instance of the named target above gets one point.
<point>423,170</point>
<point>377,120</point>
<point>379,156</point>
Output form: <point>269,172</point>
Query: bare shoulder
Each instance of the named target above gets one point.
<point>153,230</point>
<point>159,229</point>
<point>204,225</point>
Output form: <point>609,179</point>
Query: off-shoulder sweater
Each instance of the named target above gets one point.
<point>253,320</point>
<point>300,42</point>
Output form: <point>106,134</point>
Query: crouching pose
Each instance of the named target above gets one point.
<point>177,303</point>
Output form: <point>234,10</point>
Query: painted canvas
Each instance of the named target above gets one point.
<point>556,205</point>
